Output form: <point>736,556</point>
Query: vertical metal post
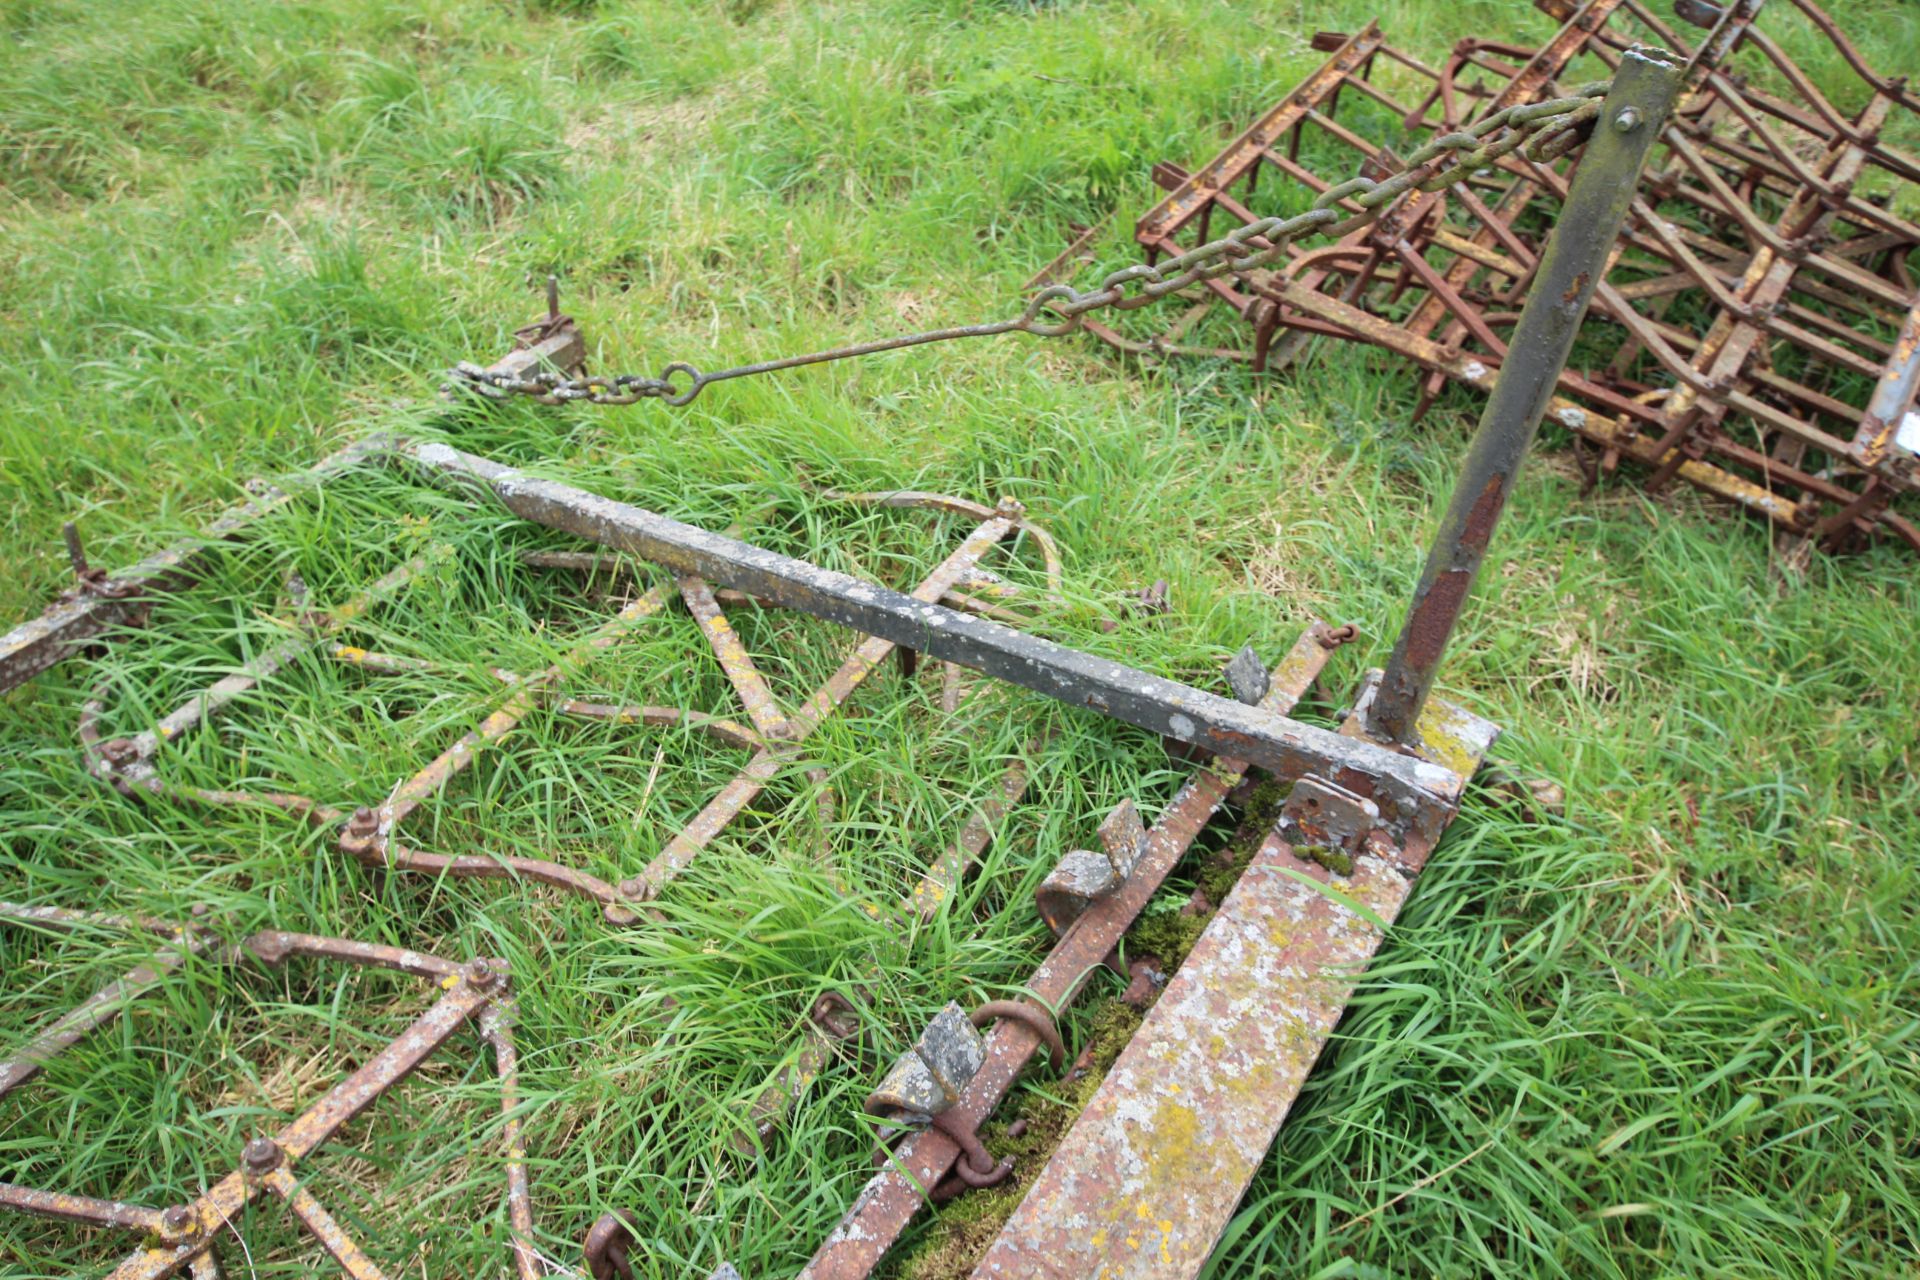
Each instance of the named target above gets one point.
<point>1644,91</point>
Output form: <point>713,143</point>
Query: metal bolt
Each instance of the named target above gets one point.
<point>480,972</point>
<point>364,822</point>
<point>260,1155</point>
<point>76,552</point>
<point>179,1223</point>
<point>1626,120</point>
<point>119,751</point>
<point>633,886</point>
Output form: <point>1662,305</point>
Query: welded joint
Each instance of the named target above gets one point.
<point>1330,825</point>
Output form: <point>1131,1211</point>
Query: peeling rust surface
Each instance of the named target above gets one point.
<point>891,1198</point>
<point>1150,1174</point>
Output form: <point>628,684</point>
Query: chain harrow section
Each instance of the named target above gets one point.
<point>1539,131</point>
<point>1756,332</point>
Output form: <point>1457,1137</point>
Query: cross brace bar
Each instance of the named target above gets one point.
<point>1403,785</point>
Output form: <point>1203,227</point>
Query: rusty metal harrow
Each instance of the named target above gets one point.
<point>187,1236</point>
<point>1760,321</point>
<point>1238,1027</point>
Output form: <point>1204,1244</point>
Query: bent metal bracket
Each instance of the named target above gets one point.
<point>1368,801</point>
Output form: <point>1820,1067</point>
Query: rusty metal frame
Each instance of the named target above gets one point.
<point>100,602</point>
<point>1754,221</point>
<point>1377,793</point>
<point>916,1167</point>
<point>185,1236</point>
<point>370,834</point>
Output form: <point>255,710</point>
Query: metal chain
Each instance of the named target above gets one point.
<point>1540,131</point>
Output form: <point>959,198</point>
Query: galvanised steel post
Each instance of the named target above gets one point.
<point>1644,91</point>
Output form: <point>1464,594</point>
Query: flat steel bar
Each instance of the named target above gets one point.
<point>1574,259</point>
<point>1204,719</point>
<point>409,795</point>
<point>946,874</point>
<point>891,1198</point>
<point>96,1011</point>
<point>768,719</point>
<point>1146,1180</point>
<point>83,1209</point>
<point>323,1226</point>
<point>1243,153</point>
<point>1890,428</point>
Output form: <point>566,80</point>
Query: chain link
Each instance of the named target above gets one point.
<point>1539,131</point>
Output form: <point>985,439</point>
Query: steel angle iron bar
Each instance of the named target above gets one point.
<point>186,1236</point>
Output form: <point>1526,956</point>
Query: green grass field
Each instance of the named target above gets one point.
<point>1674,1032</point>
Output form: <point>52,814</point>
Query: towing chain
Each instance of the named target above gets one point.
<point>1540,131</point>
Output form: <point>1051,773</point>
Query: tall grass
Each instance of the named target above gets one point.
<point>1671,1033</point>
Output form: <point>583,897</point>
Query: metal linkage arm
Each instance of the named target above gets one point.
<point>1574,260</point>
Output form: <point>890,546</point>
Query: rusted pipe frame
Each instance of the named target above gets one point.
<point>184,1235</point>
<point>130,763</point>
<point>888,1202</point>
<point>71,623</point>
<point>268,1160</point>
<point>1767,500</point>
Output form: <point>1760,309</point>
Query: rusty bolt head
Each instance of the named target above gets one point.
<point>633,887</point>
<point>119,751</point>
<point>364,822</point>
<point>179,1223</point>
<point>260,1155</point>
<point>1626,120</point>
<point>481,973</point>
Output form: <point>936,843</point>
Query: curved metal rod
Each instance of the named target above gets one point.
<point>920,500</point>
<point>605,1248</point>
<point>386,854</point>
<point>730,732</point>
<point>1032,1017</point>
